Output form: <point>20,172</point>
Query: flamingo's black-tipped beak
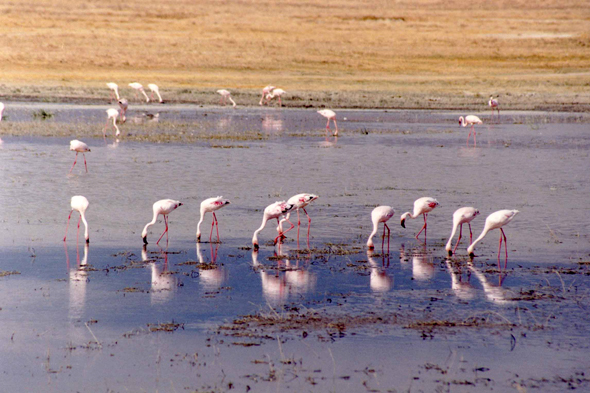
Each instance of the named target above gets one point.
<point>198,238</point>
<point>471,255</point>
<point>403,223</point>
<point>87,241</point>
<point>180,204</point>
<point>256,246</point>
<point>145,240</point>
<point>450,253</point>
<point>227,202</point>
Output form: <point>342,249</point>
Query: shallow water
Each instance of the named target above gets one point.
<point>53,312</point>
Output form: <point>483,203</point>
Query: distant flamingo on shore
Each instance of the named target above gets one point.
<point>495,220</point>
<point>272,211</point>
<point>123,106</point>
<point>330,115</point>
<point>276,92</point>
<point>80,204</point>
<point>422,206</point>
<point>461,216</point>
<point>225,95</point>
<point>112,113</point>
<point>470,120</point>
<point>114,90</point>
<point>79,147</point>
<point>380,214</point>
<point>494,104</point>
<point>139,87</point>
<point>265,91</point>
<point>211,205</point>
<point>163,207</point>
<point>155,89</point>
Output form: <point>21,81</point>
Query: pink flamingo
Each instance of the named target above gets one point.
<point>265,91</point>
<point>275,93</point>
<point>1,111</point>
<point>300,201</point>
<point>422,206</point>
<point>330,115</point>
<point>138,87</point>
<point>155,89</point>
<point>470,120</point>
<point>123,106</point>
<point>163,207</point>
<point>225,95</point>
<point>79,147</point>
<point>272,211</point>
<point>112,113</point>
<point>80,204</point>
<point>211,205</point>
<point>461,216</point>
<point>494,104</point>
<point>495,220</point>
<point>380,214</point>
<point>114,90</point>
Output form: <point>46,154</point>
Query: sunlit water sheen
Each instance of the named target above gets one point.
<point>539,168</point>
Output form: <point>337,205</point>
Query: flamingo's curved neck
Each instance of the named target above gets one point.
<point>149,224</point>
<point>256,232</point>
<point>450,242</point>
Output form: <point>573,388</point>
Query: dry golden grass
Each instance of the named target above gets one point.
<point>410,49</point>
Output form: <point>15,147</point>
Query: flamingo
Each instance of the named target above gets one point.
<point>265,91</point>
<point>300,201</point>
<point>79,147</point>
<point>470,120</point>
<point>211,205</point>
<point>494,104</point>
<point>422,206</point>
<point>155,89</point>
<point>112,113</point>
<point>274,210</point>
<point>123,105</point>
<point>275,93</point>
<point>163,207</point>
<point>139,87</point>
<point>1,111</point>
<point>114,90</point>
<point>80,204</point>
<point>495,220</point>
<point>461,216</point>
<point>330,115</point>
<point>225,95</point>
<point>380,214</point>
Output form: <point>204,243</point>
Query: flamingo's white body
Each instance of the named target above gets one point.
<point>211,205</point>
<point>461,216</point>
<point>330,115</point>
<point>422,206</point>
<point>1,110</point>
<point>300,201</point>
<point>276,92</point>
<point>123,106</point>
<point>272,211</point>
<point>494,104</point>
<point>226,95</point>
<point>495,220</point>
<point>112,113</point>
<point>114,90</point>
<point>155,90</point>
<point>470,120</point>
<point>380,214</point>
<point>163,207</point>
<point>79,147</point>
<point>80,204</point>
<point>139,87</point>
<point>265,91</point>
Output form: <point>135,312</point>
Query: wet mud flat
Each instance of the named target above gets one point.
<point>114,316</point>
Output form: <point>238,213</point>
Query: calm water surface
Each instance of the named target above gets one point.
<point>67,297</point>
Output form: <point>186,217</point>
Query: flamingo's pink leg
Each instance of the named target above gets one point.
<point>423,227</point>
<point>470,234</point>
<point>78,232</point>
<point>165,230</point>
<point>85,166</point>
<point>505,247</point>
<point>474,134</point>
<point>468,136</point>
<point>280,102</point>
<point>279,230</point>
<point>298,228</point>
<point>385,226</point>
<point>70,216</point>
<point>308,226</point>
<point>216,226</point>
<point>459,239</point>
<point>328,125</point>
<point>335,126</point>
<point>74,164</point>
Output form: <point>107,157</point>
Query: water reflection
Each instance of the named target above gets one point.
<point>495,293</point>
<point>145,118</point>
<point>211,276</point>
<point>163,283</point>
<point>78,279</point>
<point>460,281</point>
<point>272,123</point>
<point>380,280</point>
<point>286,281</point>
<point>423,267</point>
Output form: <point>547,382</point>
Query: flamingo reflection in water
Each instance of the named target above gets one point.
<point>211,276</point>
<point>78,280</point>
<point>380,281</point>
<point>461,288</point>
<point>495,293</point>
<point>163,283</point>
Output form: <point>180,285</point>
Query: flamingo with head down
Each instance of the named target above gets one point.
<point>422,206</point>
<point>380,214</point>
<point>163,207</point>
<point>273,211</point>
<point>470,120</point>
<point>461,216</point>
<point>495,220</point>
<point>211,205</point>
